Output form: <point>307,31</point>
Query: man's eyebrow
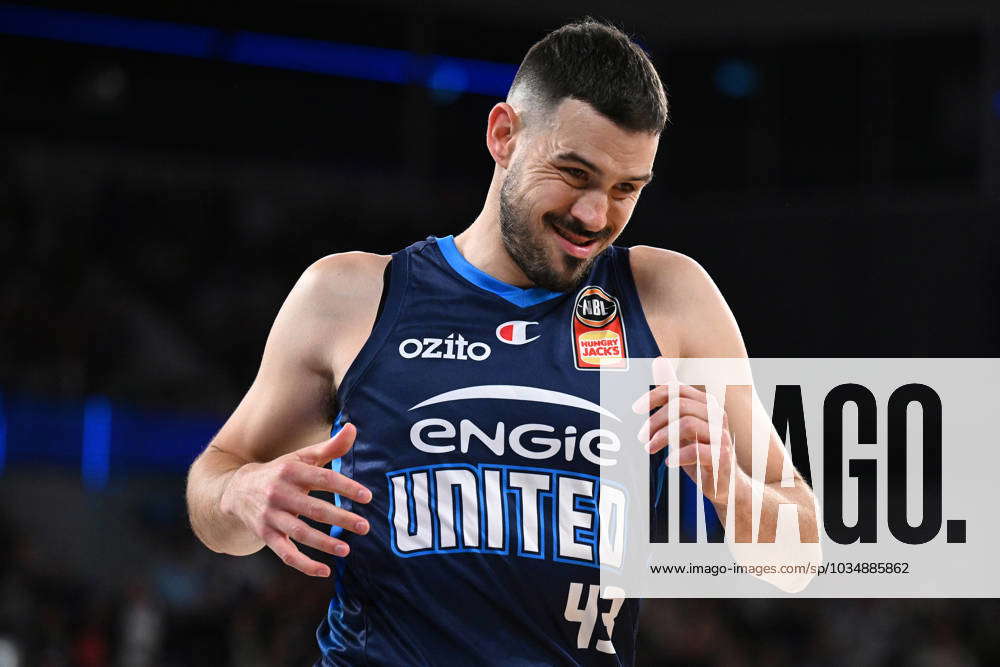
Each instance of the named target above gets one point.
<point>645,178</point>
<point>576,157</point>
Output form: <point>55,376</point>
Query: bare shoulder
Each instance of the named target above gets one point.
<point>666,273</point>
<point>341,294</point>
<point>343,284</point>
<point>684,307</point>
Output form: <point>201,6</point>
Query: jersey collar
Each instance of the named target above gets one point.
<point>519,296</point>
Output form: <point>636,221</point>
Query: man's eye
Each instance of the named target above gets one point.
<point>574,172</point>
<point>626,187</point>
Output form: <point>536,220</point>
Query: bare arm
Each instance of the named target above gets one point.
<point>681,298</point>
<point>252,481</point>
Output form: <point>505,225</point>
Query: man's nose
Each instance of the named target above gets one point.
<point>591,209</point>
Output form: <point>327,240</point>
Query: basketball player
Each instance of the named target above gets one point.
<point>465,450</point>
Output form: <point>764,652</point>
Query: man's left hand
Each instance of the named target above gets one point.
<point>692,450</point>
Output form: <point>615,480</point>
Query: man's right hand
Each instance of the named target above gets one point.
<point>269,497</point>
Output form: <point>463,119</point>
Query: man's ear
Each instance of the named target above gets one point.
<point>502,129</point>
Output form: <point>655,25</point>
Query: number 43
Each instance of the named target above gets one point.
<point>586,616</point>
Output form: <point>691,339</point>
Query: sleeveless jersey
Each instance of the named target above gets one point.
<point>477,434</point>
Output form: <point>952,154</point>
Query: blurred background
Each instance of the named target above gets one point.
<point>167,171</point>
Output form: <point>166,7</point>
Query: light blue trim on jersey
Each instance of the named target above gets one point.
<point>335,464</point>
<point>519,296</point>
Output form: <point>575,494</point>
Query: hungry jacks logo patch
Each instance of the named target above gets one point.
<point>598,331</point>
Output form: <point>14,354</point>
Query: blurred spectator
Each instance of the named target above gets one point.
<point>141,620</point>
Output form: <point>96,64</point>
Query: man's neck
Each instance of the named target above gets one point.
<point>482,247</point>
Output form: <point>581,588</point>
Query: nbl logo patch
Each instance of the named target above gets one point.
<point>598,331</point>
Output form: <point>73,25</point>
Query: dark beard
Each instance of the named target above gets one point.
<point>527,250</point>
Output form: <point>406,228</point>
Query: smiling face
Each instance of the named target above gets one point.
<point>569,191</point>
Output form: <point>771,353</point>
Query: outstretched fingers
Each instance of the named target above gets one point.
<point>315,478</point>
<point>290,555</point>
<point>287,528</point>
<point>324,512</point>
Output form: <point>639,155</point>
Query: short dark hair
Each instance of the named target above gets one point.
<point>597,63</point>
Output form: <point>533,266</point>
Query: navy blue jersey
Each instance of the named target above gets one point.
<point>478,432</point>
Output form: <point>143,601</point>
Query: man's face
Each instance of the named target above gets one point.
<point>569,191</point>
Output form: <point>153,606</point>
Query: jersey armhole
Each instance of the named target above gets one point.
<point>386,278</point>
<point>622,267</point>
<point>393,288</point>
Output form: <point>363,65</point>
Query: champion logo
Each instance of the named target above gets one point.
<point>515,332</point>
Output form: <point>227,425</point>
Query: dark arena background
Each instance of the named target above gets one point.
<point>167,171</point>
